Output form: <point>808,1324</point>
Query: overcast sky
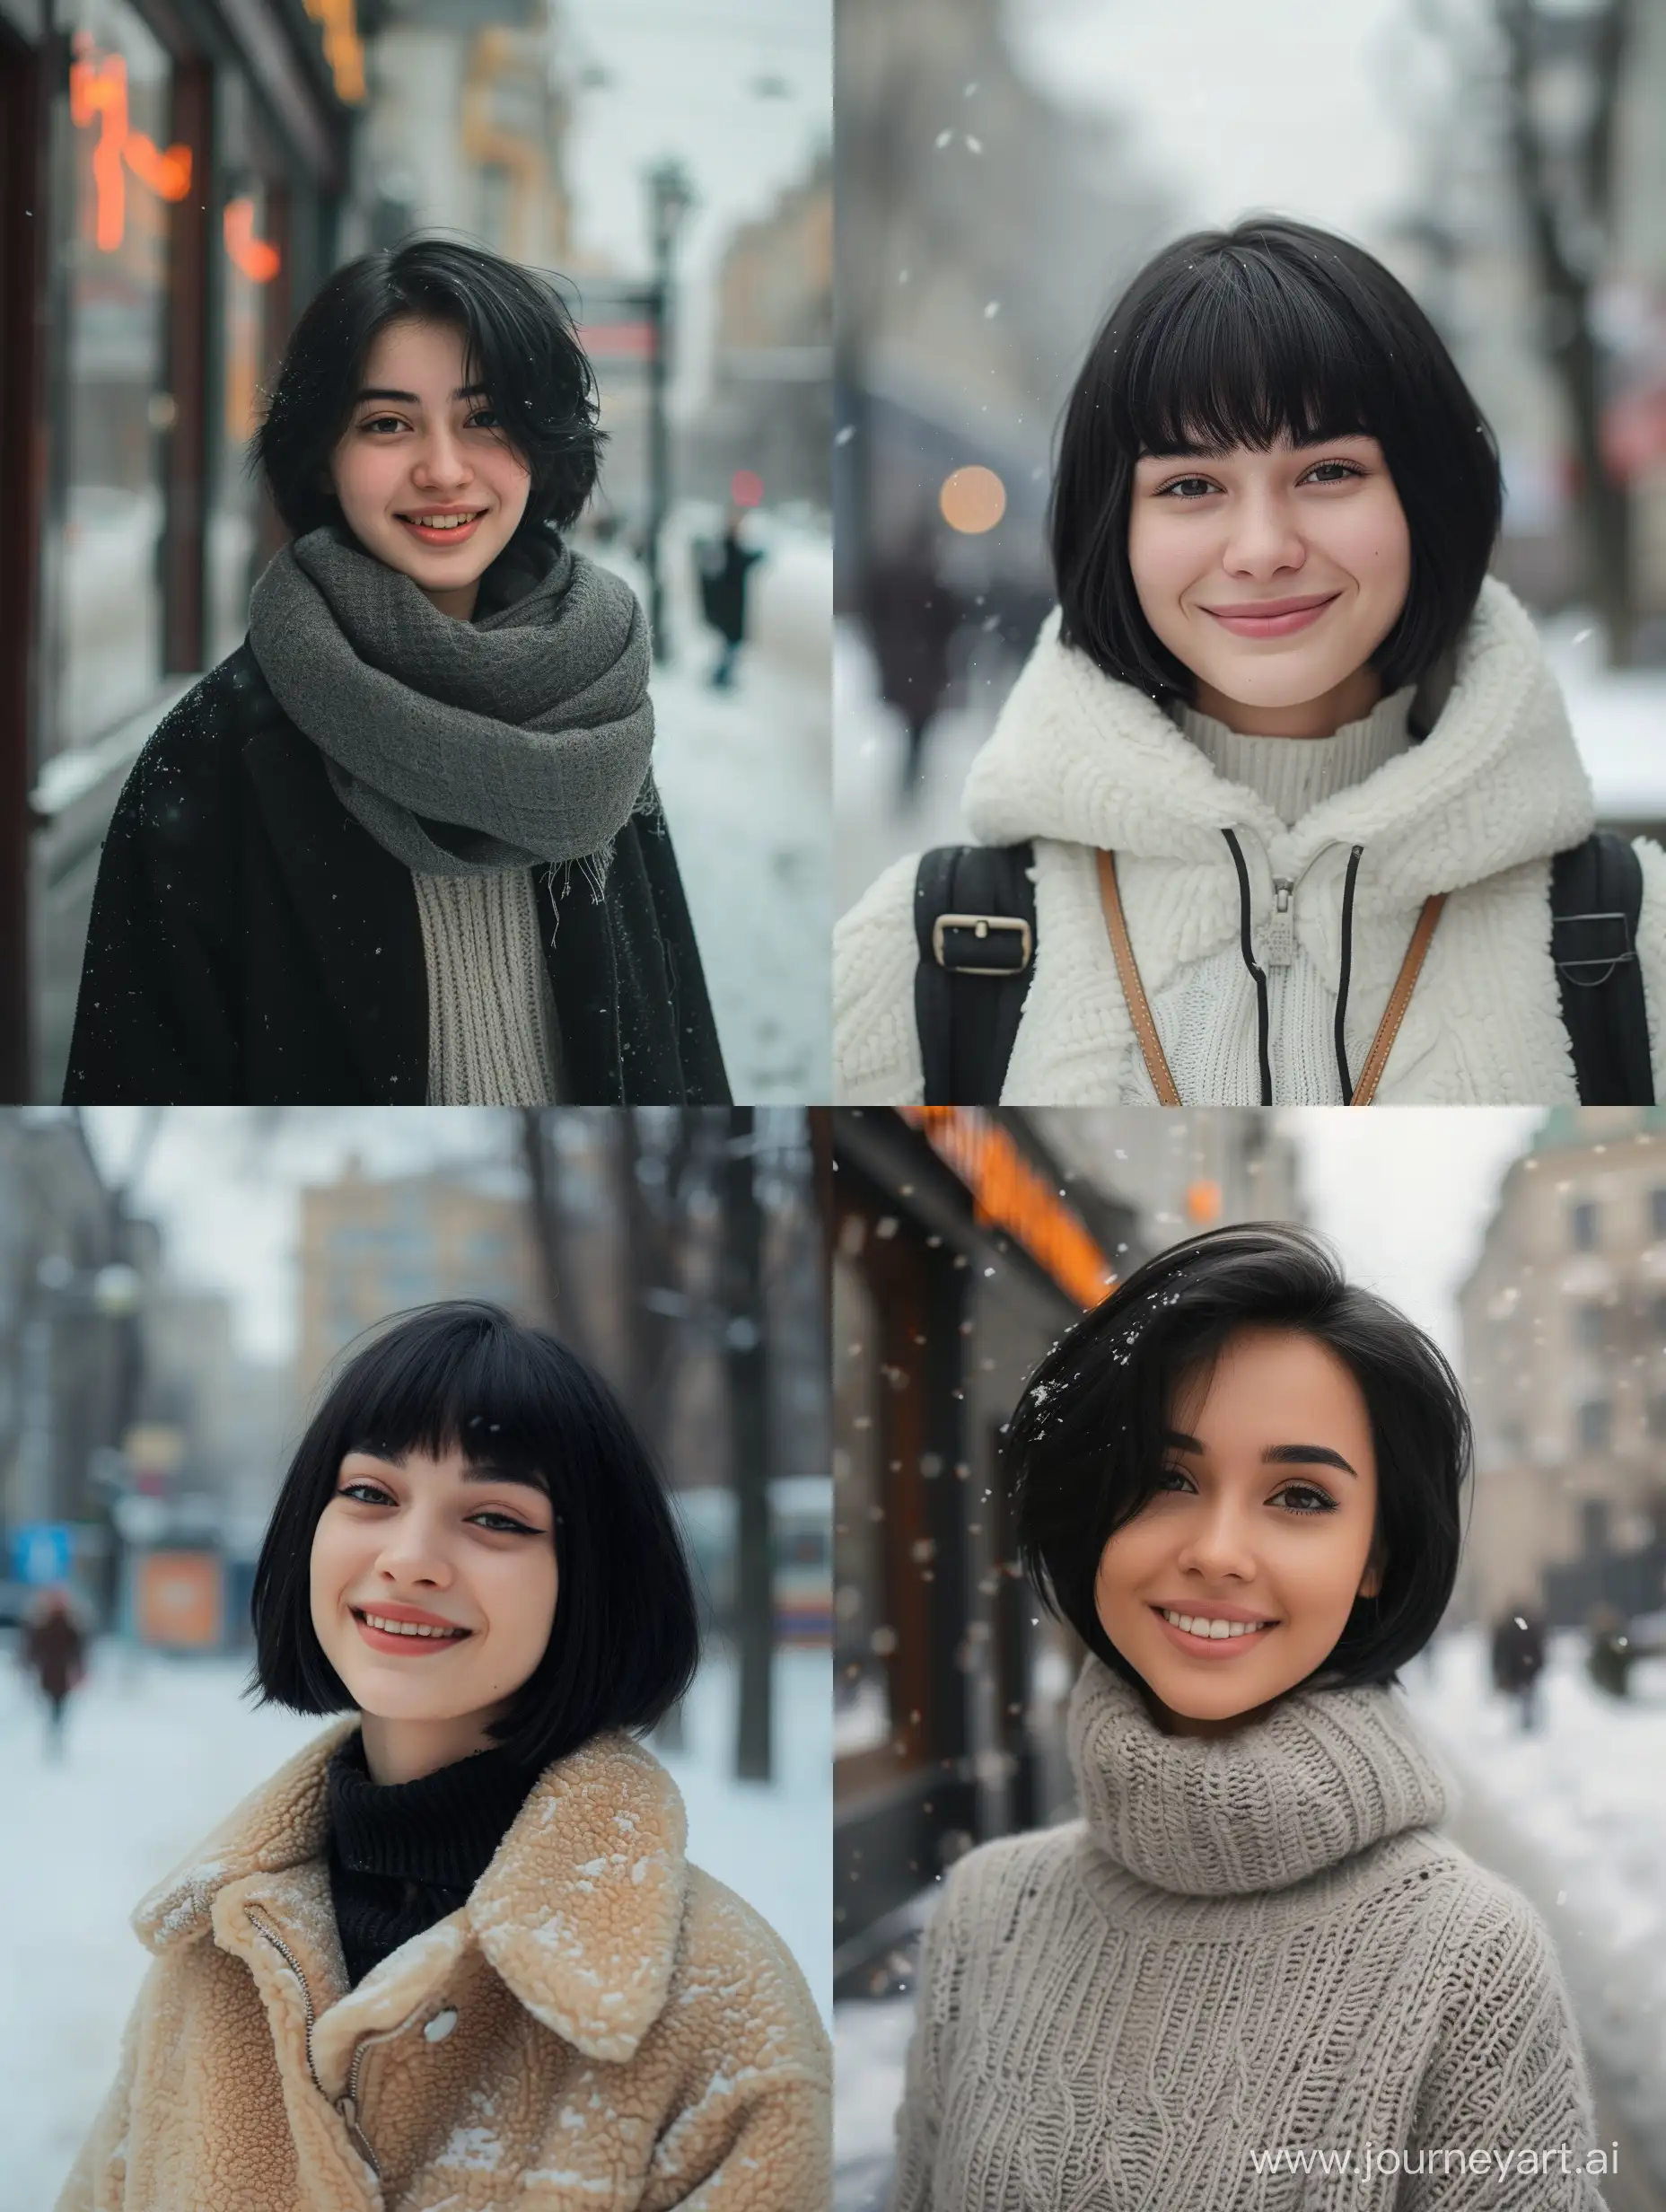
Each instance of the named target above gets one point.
<point>1278,106</point>
<point>740,91</point>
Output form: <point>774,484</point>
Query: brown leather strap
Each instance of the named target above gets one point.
<point>1133,989</point>
<point>1145,1029</point>
<point>1399,999</point>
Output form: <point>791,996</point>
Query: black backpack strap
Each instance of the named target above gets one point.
<point>975,923</point>
<point>1596,896</point>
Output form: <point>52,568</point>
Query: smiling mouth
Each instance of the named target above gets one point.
<point>407,1631</point>
<point>1225,1635</point>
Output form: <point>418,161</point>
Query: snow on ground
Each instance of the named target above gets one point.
<point>744,775</point>
<point>1574,1813</point>
<point>158,1750</point>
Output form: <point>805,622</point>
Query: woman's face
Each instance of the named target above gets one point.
<point>1209,541</point>
<point>418,446</point>
<point>441,1540</point>
<point>1265,1510</point>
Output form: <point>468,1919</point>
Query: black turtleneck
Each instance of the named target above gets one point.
<point>402,1855</point>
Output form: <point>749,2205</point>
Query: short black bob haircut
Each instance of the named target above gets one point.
<point>1083,1453</point>
<point>519,342</point>
<point>1236,337</point>
<point>625,1642</point>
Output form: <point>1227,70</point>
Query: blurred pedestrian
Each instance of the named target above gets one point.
<point>723,564</point>
<point>1519,1658</point>
<point>474,1561</point>
<point>912,617</point>
<point>341,865</point>
<point>1286,798</point>
<point>54,1651</point>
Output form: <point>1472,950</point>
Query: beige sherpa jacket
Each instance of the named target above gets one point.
<point>600,2027</point>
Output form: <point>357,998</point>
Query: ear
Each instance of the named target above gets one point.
<point>1371,1581</point>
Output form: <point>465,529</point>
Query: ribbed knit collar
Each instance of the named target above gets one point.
<point>443,1829</point>
<point>1294,774</point>
<point>1326,1774</point>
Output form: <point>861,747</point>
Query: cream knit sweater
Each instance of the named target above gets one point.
<point>1246,1945</point>
<point>492,1033</point>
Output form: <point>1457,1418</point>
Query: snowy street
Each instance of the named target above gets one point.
<point>158,1753</point>
<point>744,776</point>
<point>1574,1815</point>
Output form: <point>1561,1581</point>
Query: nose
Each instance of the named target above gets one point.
<point>441,463</point>
<point>1216,1546</point>
<point>1262,537</point>
<point>412,1551</point>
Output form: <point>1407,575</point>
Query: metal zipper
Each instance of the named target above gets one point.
<point>1279,947</point>
<point>347,2106</point>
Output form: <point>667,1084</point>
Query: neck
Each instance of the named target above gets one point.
<point>405,1750</point>
<point>1349,701</point>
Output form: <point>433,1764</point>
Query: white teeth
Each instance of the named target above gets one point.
<point>440,521</point>
<point>408,1627</point>
<point>1199,1624</point>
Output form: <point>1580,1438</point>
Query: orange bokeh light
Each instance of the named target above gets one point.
<point>258,260</point>
<point>97,94</point>
<point>972,500</point>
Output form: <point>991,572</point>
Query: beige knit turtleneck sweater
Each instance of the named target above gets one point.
<point>1254,1947</point>
<point>493,1037</point>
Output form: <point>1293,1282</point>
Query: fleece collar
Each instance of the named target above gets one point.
<point>1080,758</point>
<point>578,1912</point>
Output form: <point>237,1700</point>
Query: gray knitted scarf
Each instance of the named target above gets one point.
<point>520,737</point>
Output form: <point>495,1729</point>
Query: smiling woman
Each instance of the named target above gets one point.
<point>1238,1481</point>
<point>339,869</point>
<point>464,1918</point>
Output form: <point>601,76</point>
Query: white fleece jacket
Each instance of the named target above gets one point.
<point>1077,762</point>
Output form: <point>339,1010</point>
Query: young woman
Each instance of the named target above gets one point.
<point>404,845</point>
<point>452,1954</point>
<point>1238,1481</point>
<point>1285,736</point>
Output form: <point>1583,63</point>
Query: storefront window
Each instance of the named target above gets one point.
<point>253,285</point>
<point>118,172</point>
<point>863,1640</point>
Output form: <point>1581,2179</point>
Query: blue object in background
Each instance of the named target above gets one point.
<point>40,1553</point>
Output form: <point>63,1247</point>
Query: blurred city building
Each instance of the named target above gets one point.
<point>770,414</point>
<point>168,199</point>
<point>963,1246</point>
<point>1564,1320</point>
<point>1181,1171</point>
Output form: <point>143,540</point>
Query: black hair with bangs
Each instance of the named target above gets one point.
<point>519,341</point>
<point>1237,338</point>
<point>1085,1451</point>
<point>625,1641</point>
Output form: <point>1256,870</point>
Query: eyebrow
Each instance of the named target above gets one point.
<point>410,399</point>
<point>477,1470</point>
<point>1276,1454</point>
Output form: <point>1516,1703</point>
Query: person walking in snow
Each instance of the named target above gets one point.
<point>723,566</point>
<point>913,618</point>
<point>1279,803</point>
<point>1519,1658</point>
<point>453,1950</point>
<point>54,1651</point>
<point>339,869</point>
<point>1238,1481</point>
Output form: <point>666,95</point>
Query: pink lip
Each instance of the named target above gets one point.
<point>1211,1646</point>
<point>464,531</point>
<point>1278,619</point>
<point>380,1639</point>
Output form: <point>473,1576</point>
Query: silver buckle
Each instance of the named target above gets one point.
<point>980,925</point>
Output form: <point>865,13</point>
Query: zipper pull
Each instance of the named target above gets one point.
<point>1279,947</point>
<point>348,2109</point>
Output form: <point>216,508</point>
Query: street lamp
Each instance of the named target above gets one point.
<point>670,196</point>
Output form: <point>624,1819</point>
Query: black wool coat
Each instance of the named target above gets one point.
<point>252,945</point>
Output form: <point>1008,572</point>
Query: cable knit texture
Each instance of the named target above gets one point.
<point>1252,1943</point>
<point>491,1019</point>
<point>600,2026</point>
<point>1077,761</point>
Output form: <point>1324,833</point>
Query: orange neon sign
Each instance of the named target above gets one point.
<point>1008,1193</point>
<point>98,93</point>
<point>342,48</point>
<point>259,261</point>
